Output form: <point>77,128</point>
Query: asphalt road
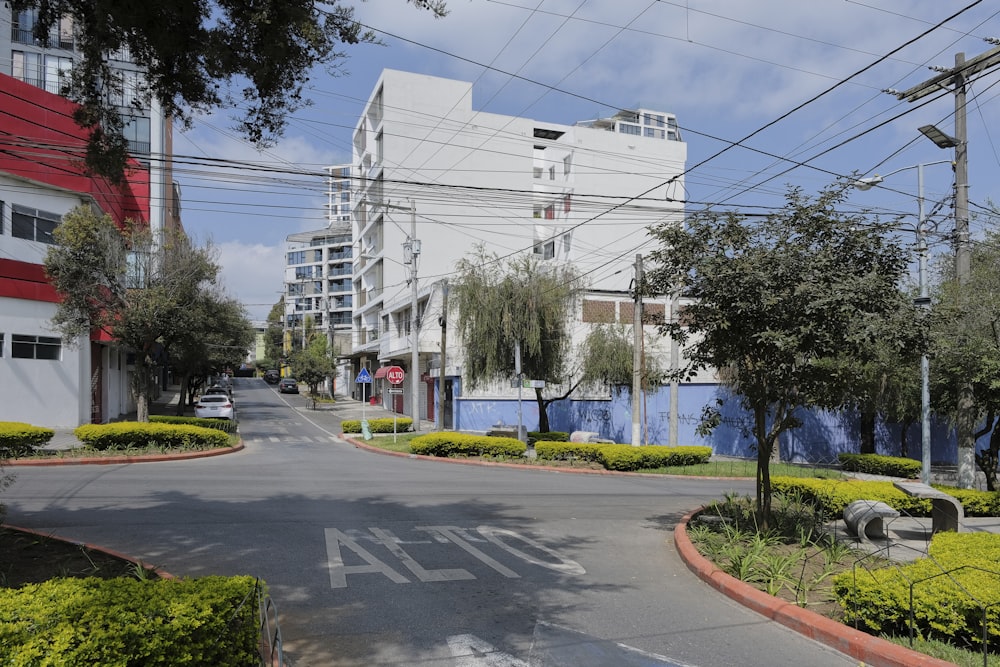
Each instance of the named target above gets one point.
<point>377,560</point>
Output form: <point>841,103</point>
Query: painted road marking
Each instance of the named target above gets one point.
<point>337,541</point>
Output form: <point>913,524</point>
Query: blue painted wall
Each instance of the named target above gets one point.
<point>822,436</point>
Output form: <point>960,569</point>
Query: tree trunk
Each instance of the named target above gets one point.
<point>904,445</point>
<point>989,458</point>
<point>765,447</point>
<point>543,414</point>
<point>868,416</point>
<point>182,395</point>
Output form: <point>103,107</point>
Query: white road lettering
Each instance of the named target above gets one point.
<point>451,532</point>
<point>339,571</point>
<point>392,543</point>
<point>564,565</point>
<point>471,651</point>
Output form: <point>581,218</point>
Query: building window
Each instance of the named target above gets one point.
<point>136,132</point>
<point>27,67</point>
<point>297,257</point>
<point>537,172</point>
<point>550,212</point>
<point>547,250</point>
<point>318,255</point>
<point>35,347</point>
<point>628,128</point>
<point>1,217</point>
<point>653,132</point>
<point>56,73</point>
<point>567,163</point>
<point>566,203</point>
<point>1,345</point>
<point>656,120</point>
<point>32,224</point>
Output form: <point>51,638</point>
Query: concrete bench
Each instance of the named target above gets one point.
<point>866,518</point>
<point>947,513</point>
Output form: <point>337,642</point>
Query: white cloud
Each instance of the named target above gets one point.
<point>253,273</point>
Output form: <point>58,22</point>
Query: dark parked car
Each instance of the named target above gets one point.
<point>272,376</point>
<point>288,386</point>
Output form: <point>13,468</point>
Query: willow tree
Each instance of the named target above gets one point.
<point>121,282</point>
<point>521,301</point>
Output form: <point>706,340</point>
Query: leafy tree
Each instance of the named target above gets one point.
<point>274,335</point>
<point>217,336</point>
<point>966,348</point>
<point>314,364</point>
<point>608,358</point>
<point>771,299</point>
<point>523,301</point>
<point>253,58</point>
<point>121,282</point>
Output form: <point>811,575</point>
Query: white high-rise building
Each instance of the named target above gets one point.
<point>436,178</point>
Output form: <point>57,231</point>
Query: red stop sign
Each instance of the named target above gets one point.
<point>395,374</point>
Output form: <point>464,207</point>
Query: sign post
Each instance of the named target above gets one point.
<point>364,377</point>
<point>395,375</point>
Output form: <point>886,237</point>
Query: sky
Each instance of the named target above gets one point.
<point>768,95</point>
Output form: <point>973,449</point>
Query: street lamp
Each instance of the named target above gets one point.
<point>923,301</point>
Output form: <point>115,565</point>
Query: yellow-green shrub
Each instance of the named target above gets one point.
<point>876,464</point>
<point>121,622</point>
<point>549,436</point>
<point>549,450</point>
<point>227,425</point>
<point>465,444</point>
<point>658,456</point>
<point>19,438</point>
<point>141,435</point>
<point>620,457</point>
<point>832,495</point>
<point>380,425</point>
<point>974,501</point>
<point>879,600</point>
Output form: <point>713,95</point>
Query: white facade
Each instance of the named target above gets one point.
<point>583,194</point>
<point>45,381</point>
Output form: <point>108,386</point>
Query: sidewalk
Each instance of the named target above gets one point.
<point>163,404</point>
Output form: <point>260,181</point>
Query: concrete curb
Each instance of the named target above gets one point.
<point>870,650</point>
<point>113,460</point>
<point>162,574</point>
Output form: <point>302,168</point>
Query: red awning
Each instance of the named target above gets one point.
<point>381,371</point>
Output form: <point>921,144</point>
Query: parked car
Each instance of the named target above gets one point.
<point>272,376</point>
<point>221,391</point>
<point>217,406</point>
<point>288,386</point>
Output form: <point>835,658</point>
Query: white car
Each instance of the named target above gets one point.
<point>218,406</point>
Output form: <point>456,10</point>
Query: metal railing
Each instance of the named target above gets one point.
<point>271,649</point>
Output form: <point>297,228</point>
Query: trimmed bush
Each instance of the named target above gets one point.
<point>548,450</point>
<point>658,456</point>
<point>142,435</point>
<point>380,425</point>
<point>227,425</point>
<point>119,622</point>
<point>20,439</point>
<point>974,501</point>
<point>879,600</point>
<point>465,444</point>
<point>620,457</point>
<point>549,436</point>
<point>875,464</point>
<point>831,496</point>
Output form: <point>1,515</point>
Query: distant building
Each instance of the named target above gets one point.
<point>582,193</point>
<point>318,276</point>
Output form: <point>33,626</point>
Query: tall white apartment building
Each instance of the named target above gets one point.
<point>436,178</point>
<point>318,274</point>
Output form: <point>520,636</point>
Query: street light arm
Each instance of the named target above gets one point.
<point>875,179</point>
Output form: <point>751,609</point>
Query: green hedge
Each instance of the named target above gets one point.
<point>227,425</point>
<point>627,457</point>
<point>548,450</point>
<point>20,439</point>
<point>831,496</point>
<point>879,600</point>
<point>380,425</point>
<point>549,436</point>
<point>122,622</point>
<point>974,501</point>
<point>465,444</point>
<point>141,435</point>
<point>875,464</point>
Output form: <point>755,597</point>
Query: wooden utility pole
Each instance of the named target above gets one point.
<point>443,321</point>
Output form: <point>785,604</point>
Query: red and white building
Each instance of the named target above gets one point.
<point>44,380</point>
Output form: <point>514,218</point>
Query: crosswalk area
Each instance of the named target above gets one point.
<point>288,439</point>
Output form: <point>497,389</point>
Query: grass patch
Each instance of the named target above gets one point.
<point>745,468</point>
<point>943,651</point>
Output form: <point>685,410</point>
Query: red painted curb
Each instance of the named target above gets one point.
<point>109,460</point>
<point>870,650</point>
<point>163,574</point>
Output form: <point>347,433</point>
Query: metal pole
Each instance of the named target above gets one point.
<point>444,358</point>
<point>414,322</point>
<point>925,395</point>
<point>675,355</point>
<point>637,355</point>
